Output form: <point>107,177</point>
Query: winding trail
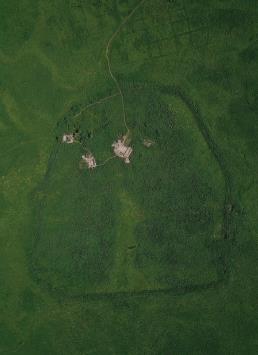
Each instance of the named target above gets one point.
<point>56,146</point>
<point>95,103</point>
<point>108,48</point>
<point>178,288</point>
<point>181,289</point>
<point>106,161</point>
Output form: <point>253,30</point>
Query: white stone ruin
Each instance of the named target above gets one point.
<point>147,143</point>
<point>89,160</point>
<point>122,150</point>
<point>68,138</point>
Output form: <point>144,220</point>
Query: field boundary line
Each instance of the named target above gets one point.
<point>223,271</point>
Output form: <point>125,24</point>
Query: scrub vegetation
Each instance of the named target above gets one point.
<point>158,256</point>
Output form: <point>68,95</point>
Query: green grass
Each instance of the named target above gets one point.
<point>155,257</point>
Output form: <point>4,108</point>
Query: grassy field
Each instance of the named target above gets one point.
<point>157,257</point>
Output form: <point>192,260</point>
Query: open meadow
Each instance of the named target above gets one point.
<point>155,257</point>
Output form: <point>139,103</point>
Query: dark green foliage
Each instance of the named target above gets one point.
<point>155,257</point>
<point>17,21</point>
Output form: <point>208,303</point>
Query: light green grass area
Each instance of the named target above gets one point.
<point>154,257</point>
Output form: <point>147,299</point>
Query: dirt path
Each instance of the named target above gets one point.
<point>108,48</point>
